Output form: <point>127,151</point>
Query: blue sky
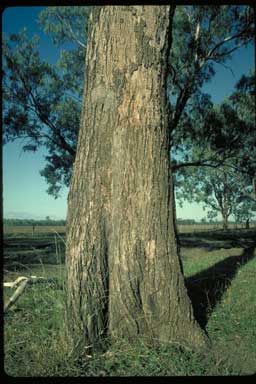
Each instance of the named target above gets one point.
<point>24,190</point>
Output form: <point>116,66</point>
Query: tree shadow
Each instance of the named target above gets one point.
<point>214,240</point>
<point>206,288</point>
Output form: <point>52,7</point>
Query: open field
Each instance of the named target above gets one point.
<point>38,230</point>
<point>42,229</point>
<point>220,273</point>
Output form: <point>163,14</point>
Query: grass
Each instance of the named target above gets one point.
<point>35,343</point>
<point>233,322</point>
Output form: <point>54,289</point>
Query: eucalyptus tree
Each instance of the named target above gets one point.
<point>220,189</point>
<point>244,212</point>
<point>216,188</point>
<point>203,37</point>
<point>124,276</point>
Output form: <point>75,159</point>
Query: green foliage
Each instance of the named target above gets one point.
<point>66,24</point>
<point>243,102</point>
<point>38,107</point>
<point>221,155</point>
<point>23,73</point>
<point>244,211</point>
<point>186,221</point>
<point>203,36</point>
<point>212,135</point>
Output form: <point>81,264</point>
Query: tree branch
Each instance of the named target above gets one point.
<point>200,163</point>
<point>68,25</point>
<point>224,41</point>
<point>63,144</point>
<point>22,282</point>
<point>36,108</point>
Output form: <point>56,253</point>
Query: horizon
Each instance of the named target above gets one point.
<point>192,221</point>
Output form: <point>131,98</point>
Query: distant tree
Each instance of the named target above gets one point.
<point>218,189</point>
<point>186,221</point>
<point>29,222</point>
<point>244,212</point>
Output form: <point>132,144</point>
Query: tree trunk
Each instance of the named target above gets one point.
<point>124,275</point>
<point>224,220</point>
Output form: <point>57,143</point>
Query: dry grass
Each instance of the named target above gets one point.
<point>28,229</point>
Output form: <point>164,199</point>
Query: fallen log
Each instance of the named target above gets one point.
<point>21,283</point>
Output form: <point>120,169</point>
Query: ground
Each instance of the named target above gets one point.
<point>219,268</point>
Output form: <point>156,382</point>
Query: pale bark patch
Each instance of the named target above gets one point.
<point>150,251</point>
<point>136,97</point>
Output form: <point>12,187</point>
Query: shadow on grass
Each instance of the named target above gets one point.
<point>206,288</point>
<point>214,240</point>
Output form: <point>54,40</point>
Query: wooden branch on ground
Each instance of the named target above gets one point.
<point>21,283</point>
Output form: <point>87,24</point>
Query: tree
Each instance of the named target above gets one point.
<point>124,276</point>
<point>203,220</point>
<point>244,212</point>
<point>219,189</point>
<point>203,37</point>
<point>212,187</point>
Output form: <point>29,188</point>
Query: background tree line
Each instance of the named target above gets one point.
<point>31,222</point>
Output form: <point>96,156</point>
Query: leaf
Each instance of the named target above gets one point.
<point>29,147</point>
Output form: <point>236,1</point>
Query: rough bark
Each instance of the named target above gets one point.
<point>124,275</point>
